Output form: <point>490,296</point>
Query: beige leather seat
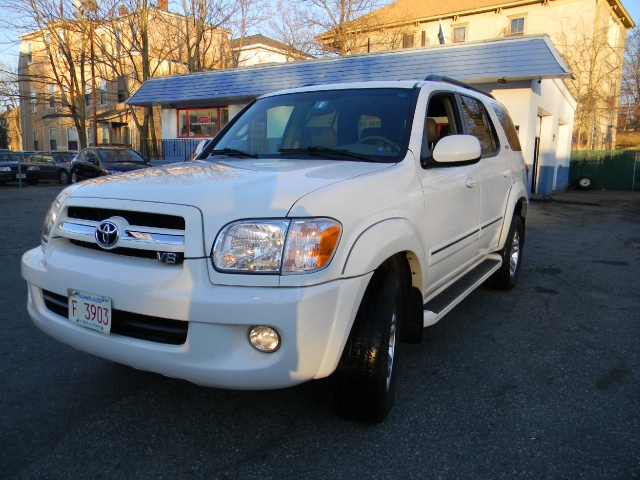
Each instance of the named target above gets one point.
<point>431,128</point>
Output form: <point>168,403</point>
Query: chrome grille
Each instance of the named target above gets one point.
<point>142,219</point>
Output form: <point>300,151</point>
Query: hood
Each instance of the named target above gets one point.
<point>228,190</point>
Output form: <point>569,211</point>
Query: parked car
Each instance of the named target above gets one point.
<point>13,169</point>
<point>321,228</point>
<point>55,166</point>
<point>95,162</point>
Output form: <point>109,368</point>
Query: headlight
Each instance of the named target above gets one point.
<point>52,215</point>
<point>33,167</point>
<point>276,246</point>
<point>49,220</point>
<point>250,247</point>
<point>5,169</point>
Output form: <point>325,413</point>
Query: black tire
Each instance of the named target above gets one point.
<point>63,177</point>
<point>364,383</point>
<point>584,183</point>
<point>33,183</point>
<point>74,177</point>
<point>506,277</point>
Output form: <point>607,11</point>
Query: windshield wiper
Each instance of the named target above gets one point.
<point>232,152</point>
<point>315,150</point>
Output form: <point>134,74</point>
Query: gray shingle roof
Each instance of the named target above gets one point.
<point>520,58</point>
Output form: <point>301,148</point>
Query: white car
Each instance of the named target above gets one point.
<point>322,227</point>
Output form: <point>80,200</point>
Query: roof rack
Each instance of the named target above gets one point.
<point>439,78</point>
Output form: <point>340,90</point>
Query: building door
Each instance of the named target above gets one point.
<point>536,156</point>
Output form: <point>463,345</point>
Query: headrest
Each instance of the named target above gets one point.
<point>324,137</point>
<point>431,128</point>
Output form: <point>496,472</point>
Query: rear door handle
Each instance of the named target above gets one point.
<point>507,173</point>
<point>472,182</point>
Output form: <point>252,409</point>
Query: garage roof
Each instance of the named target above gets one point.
<point>522,58</point>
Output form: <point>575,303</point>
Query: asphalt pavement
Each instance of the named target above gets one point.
<point>539,382</point>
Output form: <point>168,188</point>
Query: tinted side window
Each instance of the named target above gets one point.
<point>507,126</point>
<point>478,124</point>
<point>82,157</point>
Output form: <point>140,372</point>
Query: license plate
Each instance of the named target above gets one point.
<point>90,310</point>
<point>21,175</point>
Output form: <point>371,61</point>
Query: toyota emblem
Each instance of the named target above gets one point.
<point>107,234</point>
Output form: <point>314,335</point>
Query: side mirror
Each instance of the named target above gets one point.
<point>457,149</point>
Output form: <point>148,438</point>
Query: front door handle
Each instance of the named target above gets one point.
<point>472,182</point>
<point>507,173</point>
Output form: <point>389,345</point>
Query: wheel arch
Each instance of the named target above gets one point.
<point>517,204</point>
<point>390,243</point>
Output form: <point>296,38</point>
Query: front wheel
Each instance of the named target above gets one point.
<point>364,383</point>
<point>63,177</point>
<point>506,277</point>
<point>74,177</point>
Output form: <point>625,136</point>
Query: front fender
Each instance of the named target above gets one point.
<point>381,241</point>
<point>517,193</point>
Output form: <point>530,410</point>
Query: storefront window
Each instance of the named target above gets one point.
<point>201,122</point>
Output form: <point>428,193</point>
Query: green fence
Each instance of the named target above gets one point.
<point>609,169</point>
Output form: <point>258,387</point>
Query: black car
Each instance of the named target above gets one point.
<point>54,166</point>
<point>94,162</point>
<point>13,168</point>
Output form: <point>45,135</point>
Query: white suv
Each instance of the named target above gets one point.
<point>322,227</point>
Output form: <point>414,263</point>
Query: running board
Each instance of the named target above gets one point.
<point>443,303</point>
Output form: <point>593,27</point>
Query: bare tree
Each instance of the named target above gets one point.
<point>288,26</point>
<point>58,34</point>
<point>202,30</point>
<point>630,92</point>
<point>595,57</point>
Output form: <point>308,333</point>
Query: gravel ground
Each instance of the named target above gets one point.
<point>539,382</point>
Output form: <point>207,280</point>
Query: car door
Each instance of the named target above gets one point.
<point>493,172</point>
<point>452,197</point>
<point>93,164</point>
<point>48,167</point>
<point>79,166</point>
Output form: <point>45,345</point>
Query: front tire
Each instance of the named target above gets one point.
<point>364,383</point>
<point>506,277</point>
<point>63,177</point>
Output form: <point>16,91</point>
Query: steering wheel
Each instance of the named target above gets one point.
<point>374,138</point>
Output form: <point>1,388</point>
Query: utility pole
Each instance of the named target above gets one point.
<point>94,103</point>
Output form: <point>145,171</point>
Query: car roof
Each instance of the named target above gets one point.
<point>346,86</point>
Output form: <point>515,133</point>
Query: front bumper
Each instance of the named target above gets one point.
<point>313,322</point>
<point>12,176</point>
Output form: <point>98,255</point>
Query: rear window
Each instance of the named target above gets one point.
<point>120,156</point>
<point>507,126</point>
<point>9,157</point>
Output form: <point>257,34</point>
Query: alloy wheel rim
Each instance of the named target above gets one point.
<point>392,349</point>
<point>585,182</point>
<point>515,253</point>
<point>63,177</point>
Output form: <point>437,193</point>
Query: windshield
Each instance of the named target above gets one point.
<point>357,124</point>
<point>120,156</point>
<point>62,157</point>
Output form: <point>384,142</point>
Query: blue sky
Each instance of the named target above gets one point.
<point>9,50</point>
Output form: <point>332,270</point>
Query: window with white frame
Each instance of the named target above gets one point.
<point>88,97</point>
<point>52,97</point>
<point>105,135</point>
<point>460,34</point>
<point>102,90</point>
<point>72,139</point>
<point>53,139</point>
<point>34,101</point>
<point>122,89</point>
<point>516,26</point>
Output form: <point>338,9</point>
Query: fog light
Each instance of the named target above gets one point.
<point>265,339</point>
